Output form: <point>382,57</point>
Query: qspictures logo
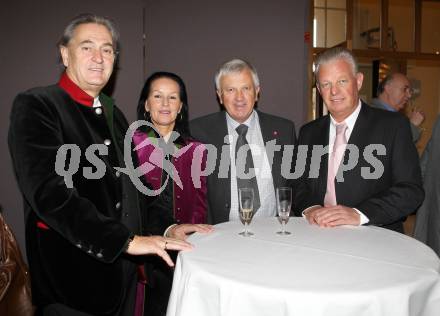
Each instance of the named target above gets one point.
<point>68,158</point>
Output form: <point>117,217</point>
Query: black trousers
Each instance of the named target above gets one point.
<point>158,293</point>
<point>126,309</point>
<point>60,310</point>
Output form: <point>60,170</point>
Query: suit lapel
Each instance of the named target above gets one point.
<point>323,140</point>
<point>358,137</point>
<point>360,128</point>
<point>219,132</point>
<point>219,142</point>
<point>268,133</point>
<point>266,128</point>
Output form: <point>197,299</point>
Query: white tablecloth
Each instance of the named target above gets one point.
<point>340,271</point>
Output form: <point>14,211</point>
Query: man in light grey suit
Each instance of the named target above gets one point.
<point>238,88</point>
<point>427,227</point>
<point>393,94</point>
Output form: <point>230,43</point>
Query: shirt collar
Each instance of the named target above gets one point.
<point>388,107</point>
<point>75,92</point>
<point>96,102</point>
<point>351,119</point>
<point>250,121</point>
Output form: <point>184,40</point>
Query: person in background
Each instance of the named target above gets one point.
<point>85,237</point>
<point>427,227</point>
<point>383,186</point>
<point>393,94</point>
<point>240,125</point>
<point>163,102</point>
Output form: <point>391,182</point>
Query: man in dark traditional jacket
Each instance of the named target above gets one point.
<point>84,226</point>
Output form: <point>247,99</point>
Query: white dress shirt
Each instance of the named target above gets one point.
<point>262,168</point>
<point>96,102</point>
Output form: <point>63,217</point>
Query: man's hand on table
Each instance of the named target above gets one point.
<point>331,216</point>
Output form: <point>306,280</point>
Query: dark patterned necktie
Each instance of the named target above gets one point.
<point>246,183</point>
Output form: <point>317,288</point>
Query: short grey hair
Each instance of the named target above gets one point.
<point>86,18</point>
<point>333,54</point>
<point>236,66</point>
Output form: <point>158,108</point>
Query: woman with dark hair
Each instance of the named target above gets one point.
<point>170,166</point>
<point>163,103</point>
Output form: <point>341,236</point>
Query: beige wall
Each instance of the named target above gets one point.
<point>401,20</point>
<point>430,27</point>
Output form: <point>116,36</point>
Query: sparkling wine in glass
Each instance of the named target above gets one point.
<point>284,203</point>
<point>246,197</point>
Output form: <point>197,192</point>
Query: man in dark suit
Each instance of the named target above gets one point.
<point>379,187</point>
<point>238,86</point>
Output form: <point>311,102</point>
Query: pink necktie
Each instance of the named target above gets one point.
<point>334,162</point>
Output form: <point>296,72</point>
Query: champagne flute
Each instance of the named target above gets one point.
<point>246,197</point>
<point>284,203</point>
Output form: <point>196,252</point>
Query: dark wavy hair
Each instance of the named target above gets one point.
<point>181,126</point>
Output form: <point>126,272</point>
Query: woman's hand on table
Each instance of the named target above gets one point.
<point>182,231</point>
<point>157,245</point>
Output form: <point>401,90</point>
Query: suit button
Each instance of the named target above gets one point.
<point>178,209</point>
<point>178,196</point>
<point>126,214</point>
<point>79,245</point>
<point>107,142</point>
<point>98,111</point>
<point>227,205</point>
<point>118,205</point>
<point>99,254</point>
